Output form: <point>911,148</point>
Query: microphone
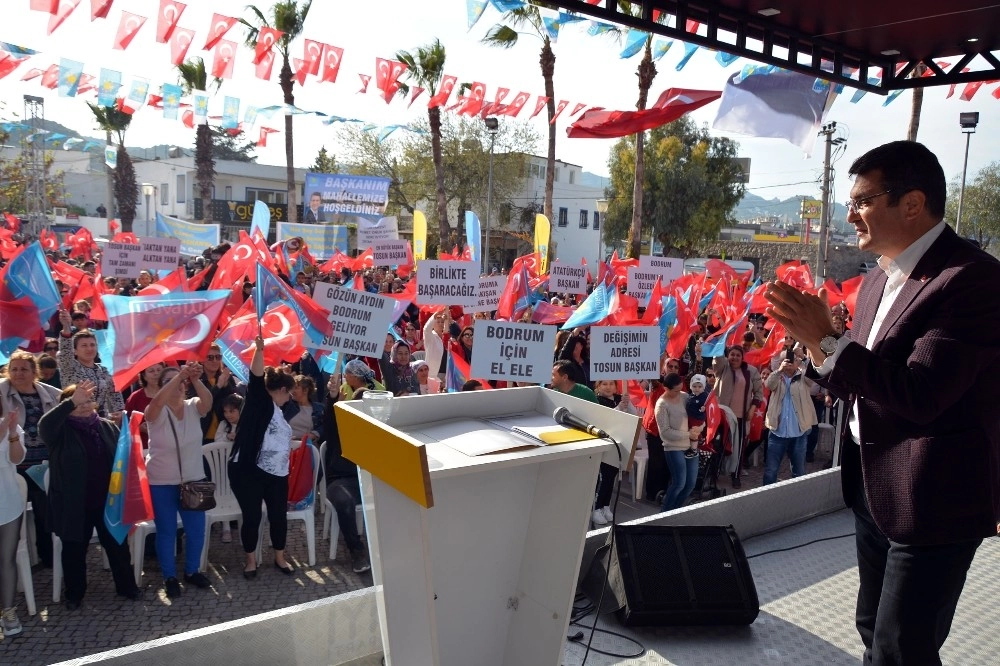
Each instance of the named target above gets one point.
<point>563,417</point>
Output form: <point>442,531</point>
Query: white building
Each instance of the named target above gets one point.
<point>576,222</point>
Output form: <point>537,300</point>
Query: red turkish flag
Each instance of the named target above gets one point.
<point>387,73</point>
<point>497,104</point>
<point>414,94</point>
<point>99,9</point>
<point>9,63</point>
<point>559,109</point>
<point>313,55</point>
<point>266,39</point>
<point>50,77</point>
<point>796,274</point>
<point>365,79</point>
<point>332,56</point>
<point>262,138</point>
<point>515,107</point>
<point>265,65</point>
<point>47,6</point>
<point>225,58</point>
<point>127,28</point>
<point>301,71</point>
<point>713,417</point>
<point>539,105</point>
<point>48,239</point>
<point>180,42</point>
<point>474,99</point>
<point>444,92</point>
<point>597,123</point>
<point>188,118</point>
<point>220,26</point>
<point>365,260</point>
<point>577,108</point>
<point>166,20</point>
<point>62,11</point>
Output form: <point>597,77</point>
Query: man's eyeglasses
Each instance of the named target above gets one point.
<point>710,375</point>
<point>214,357</point>
<point>861,203</point>
<point>51,349</point>
<point>467,335</point>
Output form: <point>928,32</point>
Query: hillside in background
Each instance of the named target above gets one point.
<point>753,206</point>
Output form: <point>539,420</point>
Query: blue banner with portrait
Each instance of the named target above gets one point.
<point>328,195</point>
<point>194,238</point>
<point>323,239</point>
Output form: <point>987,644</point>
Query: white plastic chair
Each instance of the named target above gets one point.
<point>307,515</point>
<point>57,570</point>
<point>137,545</point>
<point>331,524</point>
<point>23,557</point>
<point>226,506</point>
<point>639,461</point>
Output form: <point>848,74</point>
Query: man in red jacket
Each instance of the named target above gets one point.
<point>921,466</point>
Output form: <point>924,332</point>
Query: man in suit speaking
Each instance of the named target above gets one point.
<point>921,465</point>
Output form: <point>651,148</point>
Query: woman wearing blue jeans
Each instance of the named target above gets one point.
<point>678,439</point>
<point>175,435</point>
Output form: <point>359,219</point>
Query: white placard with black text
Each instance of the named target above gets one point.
<point>668,268</point>
<point>389,252</point>
<point>513,351</point>
<point>126,260</point>
<point>565,278</point>
<point>490,290</point>
<point>624,352</point>
<point>448,283</point>
<point>360,319</point>
<point>369,232</point>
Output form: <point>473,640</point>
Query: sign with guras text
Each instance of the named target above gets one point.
<point>513,351</point>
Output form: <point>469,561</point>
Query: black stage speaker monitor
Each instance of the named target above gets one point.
<point>677,575</point>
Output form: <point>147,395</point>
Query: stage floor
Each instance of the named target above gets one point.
<point>807,597</point>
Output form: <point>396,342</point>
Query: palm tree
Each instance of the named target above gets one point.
<point>916,105</point>
<point>113,120</point>
<point>193,76</point>
<point>425,67</point>
<point>505,36</point>
<point>646,74</point>
<point>290,19</point>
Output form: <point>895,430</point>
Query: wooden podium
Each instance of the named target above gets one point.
<point>475,558</point>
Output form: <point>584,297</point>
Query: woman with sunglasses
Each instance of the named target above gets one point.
<point>175,457</point>
<point>221,383</point>
<point>23,393</point>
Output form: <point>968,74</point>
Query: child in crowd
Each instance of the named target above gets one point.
<point>232,404</point>
<point>696,407</point>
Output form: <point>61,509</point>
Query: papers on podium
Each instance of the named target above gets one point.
<point>476,437</point>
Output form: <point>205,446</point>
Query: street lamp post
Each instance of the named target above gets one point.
<point>601,205</point>
<point>492,126</point>
<point>147,191</point>
<point>968,121</point>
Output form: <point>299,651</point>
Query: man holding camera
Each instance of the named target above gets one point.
<point>790,416</point>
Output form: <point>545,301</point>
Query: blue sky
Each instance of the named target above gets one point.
<point>588,70</point>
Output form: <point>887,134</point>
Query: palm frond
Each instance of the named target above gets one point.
<point>501,36</point>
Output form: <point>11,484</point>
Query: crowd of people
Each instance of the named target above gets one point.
<point>62,413</point>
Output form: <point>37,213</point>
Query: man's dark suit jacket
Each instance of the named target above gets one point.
<point>928,398</point>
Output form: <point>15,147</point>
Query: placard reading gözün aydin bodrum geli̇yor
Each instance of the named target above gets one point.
<point>565,278</point>
<point>512,351</point>
<point>490,290</point>
<point>360,319</point>
<point>624,352</point>
<point>448,283</point>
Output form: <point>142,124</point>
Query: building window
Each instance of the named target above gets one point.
<point>597,220</point>
<point>164,194</point>
<point>556,177</point>
<point>534,171</point>
<point>180,188</point>
<point>583,217</point>
<point>563,217</point>
<point>572,179</point>
<point>229,192</point>
<point>267,196</point>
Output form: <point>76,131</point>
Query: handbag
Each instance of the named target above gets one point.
<point>194,495</point>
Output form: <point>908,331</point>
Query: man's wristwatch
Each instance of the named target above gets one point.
<point>828,345</point>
